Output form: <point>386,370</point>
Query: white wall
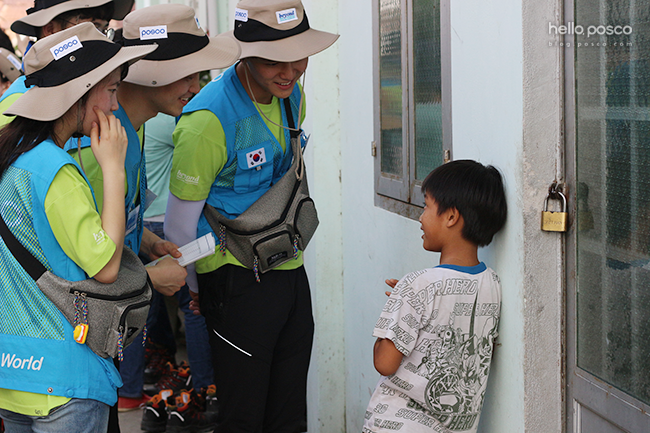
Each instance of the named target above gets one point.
<point>324,259</point>
<point>490,109</point>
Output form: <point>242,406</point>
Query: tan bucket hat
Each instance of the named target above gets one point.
<point>183,47</point>
<point>277,30</point>
<point>45,11</point>
<point>62,67</point>
<point>9,65</point>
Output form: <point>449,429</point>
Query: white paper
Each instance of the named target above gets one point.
<point>195,250</point>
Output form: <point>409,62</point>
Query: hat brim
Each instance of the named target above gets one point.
<point>50,103</point>
<point>28,25</point>
<point>289,49</point>
<point>220,52</point>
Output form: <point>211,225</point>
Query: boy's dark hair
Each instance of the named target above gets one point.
<point>476,191</point>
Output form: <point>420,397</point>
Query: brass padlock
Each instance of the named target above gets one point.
<point>555,221</point>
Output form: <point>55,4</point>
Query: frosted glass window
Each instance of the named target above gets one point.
<point>390,66</point>
<point>411,134</point>
<point>427,86</point>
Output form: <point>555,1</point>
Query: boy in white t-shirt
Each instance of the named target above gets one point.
<point>436,332</point>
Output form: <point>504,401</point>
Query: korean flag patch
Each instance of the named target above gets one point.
<point>255,158</point>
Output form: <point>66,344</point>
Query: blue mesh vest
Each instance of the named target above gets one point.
<point>18,86</point>
<point>37,351</point>
<point>134,164</point>
<point>238,185</point>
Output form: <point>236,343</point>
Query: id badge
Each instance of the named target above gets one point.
<point>304,139</point>
<point>150,196</point>
<point>132,220</point>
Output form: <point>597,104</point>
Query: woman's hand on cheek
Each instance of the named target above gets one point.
<point>108,141</point>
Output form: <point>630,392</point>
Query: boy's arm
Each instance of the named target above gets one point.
<point>386,357</point>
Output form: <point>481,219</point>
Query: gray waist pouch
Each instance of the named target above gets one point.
<point>276,226</point>
<point>114,314</point>
<point>106,317</point>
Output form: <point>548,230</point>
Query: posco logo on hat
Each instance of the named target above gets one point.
<point>287,15</point>
<point>241,15</point>
<point>66,47</point>
<point>153,32</point>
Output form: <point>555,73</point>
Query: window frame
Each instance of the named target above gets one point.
<point>403,195</point>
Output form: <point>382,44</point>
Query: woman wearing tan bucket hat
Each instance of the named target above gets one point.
<point>47,17</point>
<point>231,146</point>
<point>163,82</point>
<point>49,382</point>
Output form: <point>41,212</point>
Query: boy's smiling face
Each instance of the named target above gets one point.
<point>432,224</point>
<point>172,98</point>
<point>269,78</point>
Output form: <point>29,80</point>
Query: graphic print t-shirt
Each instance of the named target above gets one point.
<point>444,320</point>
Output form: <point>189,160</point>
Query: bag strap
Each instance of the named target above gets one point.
<point>290,123</point>
<point>295,140</point>
<point>31,265</point>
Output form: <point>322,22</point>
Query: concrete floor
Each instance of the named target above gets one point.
<point>130,421</point>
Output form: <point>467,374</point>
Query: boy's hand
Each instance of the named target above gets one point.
<point>392,282</point>
<point>194,303</point>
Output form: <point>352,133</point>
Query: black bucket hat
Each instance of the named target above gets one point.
<point>45,11</point>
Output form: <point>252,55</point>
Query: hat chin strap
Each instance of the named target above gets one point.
<point>78,134</point>
<point>262,112</point>
<point>80,124</point>
<point>300,169</point>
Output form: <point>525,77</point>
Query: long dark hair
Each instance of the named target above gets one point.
<point>22,135</point>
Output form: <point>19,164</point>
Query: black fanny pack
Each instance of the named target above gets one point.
<point>106,317</point>
<point>277,225</point>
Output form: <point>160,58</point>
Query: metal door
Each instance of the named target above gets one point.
<point>608,247</point>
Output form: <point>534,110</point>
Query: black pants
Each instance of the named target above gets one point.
<point>261,339</point>
<point>113,420</point>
